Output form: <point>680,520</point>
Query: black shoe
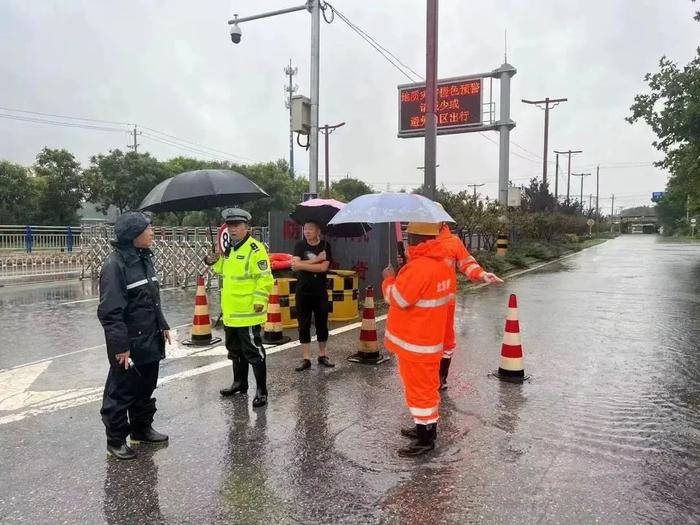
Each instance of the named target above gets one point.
<point>122,451</point>
<point>424,444</point>
<point>324,361</point>
<point>240,379</point>
<point>444,370</point>
<point>260,399</point>
<point>410,432</point>
<point>305,365</point>
<point>235,388</point>
<point>148,435</point>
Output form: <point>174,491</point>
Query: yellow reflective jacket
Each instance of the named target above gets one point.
<point>247,281</point>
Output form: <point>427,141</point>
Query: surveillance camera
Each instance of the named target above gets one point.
<point>236,33</point>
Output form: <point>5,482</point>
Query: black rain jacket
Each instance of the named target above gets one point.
<point>130,310</point>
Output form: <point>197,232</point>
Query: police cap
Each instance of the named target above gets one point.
<point>235,215</point>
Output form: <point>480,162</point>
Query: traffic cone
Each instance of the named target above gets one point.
<point>201,322</point>
<point>369,347</point>
<point>272,332</point>
<point>511,368</point>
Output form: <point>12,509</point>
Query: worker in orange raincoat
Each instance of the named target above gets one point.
<point>458,257</point>
<point>418,299</point>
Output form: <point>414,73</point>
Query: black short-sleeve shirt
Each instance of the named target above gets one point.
<point>310,283</point>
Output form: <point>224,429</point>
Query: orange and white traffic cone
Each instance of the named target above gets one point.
<point>201,322</point>
<point>368,350</point>
<point>511,368</point>
<point>272,332</point>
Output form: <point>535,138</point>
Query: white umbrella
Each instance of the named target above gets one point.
<point>391,207</point>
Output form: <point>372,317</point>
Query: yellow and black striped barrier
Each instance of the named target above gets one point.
<point>343,294</point>
<point>288,301</point>
<point>502,245</point>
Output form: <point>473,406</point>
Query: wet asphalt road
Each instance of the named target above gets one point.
<point>607,431</point>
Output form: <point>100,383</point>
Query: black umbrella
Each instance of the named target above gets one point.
<point>201,190</point>
<point>321,211</point>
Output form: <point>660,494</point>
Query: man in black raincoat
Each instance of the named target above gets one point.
<point>135,332</point>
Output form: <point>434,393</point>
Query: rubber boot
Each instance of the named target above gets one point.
<point>148,435</point>
<point>260,372</point>
<point>121,451</point>
<point>410,432</point>
<point>240,378</point>
<point>424,444</point>
<point>444,370</point>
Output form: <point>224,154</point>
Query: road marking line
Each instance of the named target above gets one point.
<point>97,298</point>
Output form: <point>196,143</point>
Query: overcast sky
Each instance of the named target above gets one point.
<point>170,65</point>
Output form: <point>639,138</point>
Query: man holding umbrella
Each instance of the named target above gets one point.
<point>248,281</point>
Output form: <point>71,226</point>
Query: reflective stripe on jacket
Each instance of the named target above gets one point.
<point>418,299</point>
<point>459,255</point>
<point>247,281</point>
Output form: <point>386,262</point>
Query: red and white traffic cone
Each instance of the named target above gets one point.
<point>512,369</point>
<point>368,350</point>
<point>201,322</point>
<point>272,332</point>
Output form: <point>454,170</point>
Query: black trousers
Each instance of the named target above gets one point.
<point>245,342</point>
<point>127,404</point>
<point>318,306</point>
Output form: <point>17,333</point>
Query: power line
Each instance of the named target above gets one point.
<point>58,123</point>
<point>373,42</point>
<point>13,110</point>
<point>171,140</point>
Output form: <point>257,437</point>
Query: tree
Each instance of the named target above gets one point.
<point>538,198</point>
<point>62,187</point>
<point>122,180</point>
<point>17,194</point>
<point>348,189</point>
<point>672,110</point>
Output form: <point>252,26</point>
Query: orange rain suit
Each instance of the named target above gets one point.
<point>418,299</point>
<point>457,256</point>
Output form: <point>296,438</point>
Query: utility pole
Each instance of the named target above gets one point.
<point>431,63</point>
<point>135,145</point>
<point>590,202</point>
<point>582,175</point>
<point>597,191</point>
<point>687,208</point>
<point>568,178</point>
<point>556,180</point>
<point>291,88</point>
<point>327,130</point>
<point>612,207</point>
<point>475,186</point>
<point>547,101</point>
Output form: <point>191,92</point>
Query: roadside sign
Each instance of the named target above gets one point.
<point>309,196</point>
<point>693,221</point>
<point>590,222</point>
<point>657,196</point>
<point>458,106</point>
<point>222,239</point>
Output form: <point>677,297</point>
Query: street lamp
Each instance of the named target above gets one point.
<point>313,7</point>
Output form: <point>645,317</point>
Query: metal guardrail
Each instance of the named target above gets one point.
<point>29,239</point>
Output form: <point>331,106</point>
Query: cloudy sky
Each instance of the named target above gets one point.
<point>170,66</point>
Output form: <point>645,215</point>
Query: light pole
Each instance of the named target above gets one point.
<point>313,6</point>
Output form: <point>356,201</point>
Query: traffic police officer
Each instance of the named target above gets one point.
<point>247,283</point>
<point>135,332</point>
